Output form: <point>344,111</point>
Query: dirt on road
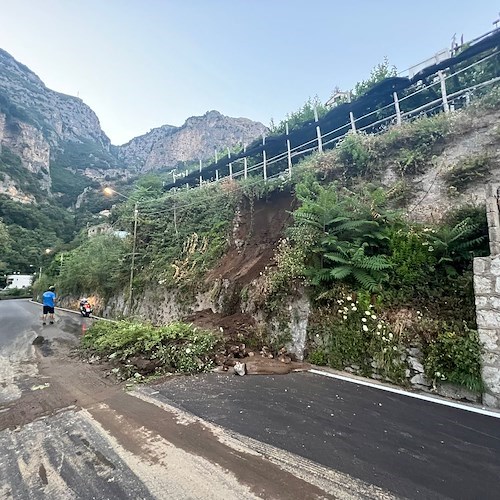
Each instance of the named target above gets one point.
<point>169,451</point>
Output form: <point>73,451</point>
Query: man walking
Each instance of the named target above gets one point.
<point>49,298</point>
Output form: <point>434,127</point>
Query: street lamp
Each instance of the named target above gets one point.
<point>109,191</point>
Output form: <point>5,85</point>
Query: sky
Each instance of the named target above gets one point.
<point>140,64</point>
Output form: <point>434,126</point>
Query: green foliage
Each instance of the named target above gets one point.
<point>11,164</point>
<point>178,347</point>
<point>379,73</point>
<point>182,235</point>
<point>98,265</point>
<point>348,331</point>
<point>468,172</point>
<point>83,154</point>
<point>346,233</point>
<point>355,154</point>
<point>32,229</point>
<point>455,357</point>
<point>69,184</point>
<point>298,118</point>
<point>414,142</point>
<point>455,245</point>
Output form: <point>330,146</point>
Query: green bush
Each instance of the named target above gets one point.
<point>455,357</point>
<point>468,172</point>
<point>349,330</point>
<point>178,347</point>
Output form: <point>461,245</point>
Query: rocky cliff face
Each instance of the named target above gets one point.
<point>46,136</point>
<point>198,138</point>
<point>61,117</point>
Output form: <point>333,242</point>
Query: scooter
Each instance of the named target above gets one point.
<point>86,310</point>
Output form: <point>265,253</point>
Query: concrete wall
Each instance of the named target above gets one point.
<point>487,292</point>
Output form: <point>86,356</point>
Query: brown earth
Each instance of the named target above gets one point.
<point>259,230</point>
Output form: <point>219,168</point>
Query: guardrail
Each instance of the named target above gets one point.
<point>380,119</point>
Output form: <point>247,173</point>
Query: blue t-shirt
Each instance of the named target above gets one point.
<point>48,299</point>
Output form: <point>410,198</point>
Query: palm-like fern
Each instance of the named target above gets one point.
<point>349,241</point>
<point>455,244</point>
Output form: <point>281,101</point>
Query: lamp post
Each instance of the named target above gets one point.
<point>110,191</point>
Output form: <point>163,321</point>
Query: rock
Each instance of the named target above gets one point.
<point>94,359</point>
<point>348,369</point>
<point>143,365</point>
<point>420,379</point>
<point>415,365</point>
<point>457,392</point>
<point>285,359</point>
<point>250,354</point>
<point>240,368</point>
<point>39,340</point>
<point>415,352</point>
<point>355,367</point>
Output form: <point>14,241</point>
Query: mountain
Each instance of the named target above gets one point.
<point>52,145</point>
<point>198,138</point>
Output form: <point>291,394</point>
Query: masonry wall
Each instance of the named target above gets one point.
<point>487,292</point>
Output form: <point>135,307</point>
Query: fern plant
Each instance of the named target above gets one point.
<point>455,245</point>
<point>347,236</point>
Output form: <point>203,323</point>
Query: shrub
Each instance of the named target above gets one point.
<point>178,347</point>
<point>471,170</point>
<point>350,331</point>
<point>455,357</point>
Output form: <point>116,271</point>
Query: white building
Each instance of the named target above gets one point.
<point>19,280</point>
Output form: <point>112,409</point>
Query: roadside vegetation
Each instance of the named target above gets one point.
<point>380,285</point>
<point>139,349</point>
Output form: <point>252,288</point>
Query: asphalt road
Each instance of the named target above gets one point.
<point>17,317</point>
<point>67,430</point>
<point>414,448</point>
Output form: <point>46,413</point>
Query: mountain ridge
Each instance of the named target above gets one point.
<point>56,136</point>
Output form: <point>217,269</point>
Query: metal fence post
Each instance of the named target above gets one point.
<point>289,151</point>
<point>318,131</point>
<point>264,157</point>
<point>245,163</point>
<point>398,110</point>
<point>217,176</point>
<point>230,164</point>
<point>446,106</point>
<point>353,122</point>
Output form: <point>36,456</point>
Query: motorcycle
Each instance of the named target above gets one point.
<point>85,310</point>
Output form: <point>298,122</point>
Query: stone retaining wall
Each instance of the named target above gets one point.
<point>487,293</point>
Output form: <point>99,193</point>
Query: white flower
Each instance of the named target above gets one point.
<point>349,298</point>
<point>395,348</point>
<point>391,335</point>
<point>379,326</point>
<point>345,317</point>
<point>363,320</point>
<point>373,316</point>
<point>370,306</point>
<point>188,350</point>
<point>438,374</point>
<point>354,308</point>
<point>365,328</point>
<point>367,313</point>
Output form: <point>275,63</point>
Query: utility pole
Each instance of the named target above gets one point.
<point>133,258</point>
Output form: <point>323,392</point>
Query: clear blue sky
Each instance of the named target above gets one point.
<point>143,63</point>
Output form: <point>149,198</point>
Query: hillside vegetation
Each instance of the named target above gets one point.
<point>381,272</point>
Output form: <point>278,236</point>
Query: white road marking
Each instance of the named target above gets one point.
<point>423,397</point>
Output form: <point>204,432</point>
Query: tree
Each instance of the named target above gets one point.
<point>380,72</point>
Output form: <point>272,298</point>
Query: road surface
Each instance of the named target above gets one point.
<point>414,448</point>
<point>69,430</point>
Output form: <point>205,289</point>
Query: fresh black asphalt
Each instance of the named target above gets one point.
<point>414,448</point>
